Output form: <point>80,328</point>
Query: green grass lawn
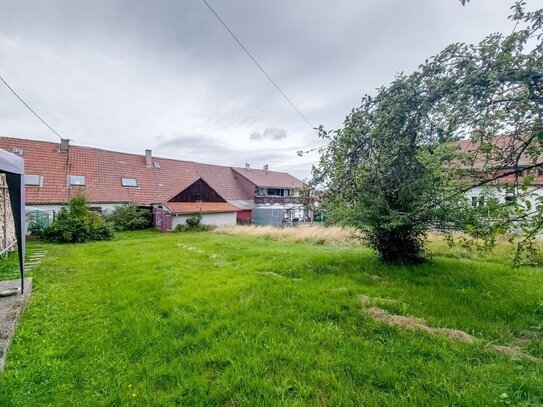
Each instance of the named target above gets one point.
<point>206,319</point>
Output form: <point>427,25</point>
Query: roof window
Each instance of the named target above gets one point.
<point>76,180</point>
<point>33,180</point>
<point>129,182</point>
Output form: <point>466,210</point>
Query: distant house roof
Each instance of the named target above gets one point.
<point>506,150</point>
<point>104,169</point>
<point>184,208</point>
<point>243,204</point>
<point>270,179</point>
<point>225,181</point>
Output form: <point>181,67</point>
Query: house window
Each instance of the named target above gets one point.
<point>474,201</point>
<point>540,172</point>
<point>519,172</point>
<point>275,192</point>
<point>33,180</point>
<point>129,182</point>
<point>76,180</point>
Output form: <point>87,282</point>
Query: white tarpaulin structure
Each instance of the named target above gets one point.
<point>14,168</point>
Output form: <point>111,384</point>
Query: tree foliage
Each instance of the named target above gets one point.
<point>384,167</point>
<point>130,217</point>
<point>393,169</point>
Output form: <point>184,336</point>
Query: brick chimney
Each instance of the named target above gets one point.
<point>149,158</point>
<point>64,145</point>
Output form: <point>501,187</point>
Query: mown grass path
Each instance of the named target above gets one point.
<point>205,319</point>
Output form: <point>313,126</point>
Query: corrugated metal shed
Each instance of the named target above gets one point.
<point>268,215</point>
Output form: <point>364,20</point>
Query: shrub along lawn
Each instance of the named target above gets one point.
<point>208,319</point>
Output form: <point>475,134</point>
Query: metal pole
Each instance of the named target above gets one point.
<point>5,219</point>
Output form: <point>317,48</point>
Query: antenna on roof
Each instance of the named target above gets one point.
<point>266,168</point>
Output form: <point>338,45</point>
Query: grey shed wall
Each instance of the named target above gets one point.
<point>268,216</point>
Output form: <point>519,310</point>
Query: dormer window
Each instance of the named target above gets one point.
<point>76,180</point>
<point>129,182</point>
<point>32,180</point>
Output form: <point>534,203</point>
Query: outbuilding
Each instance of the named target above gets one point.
<point>213,213</point>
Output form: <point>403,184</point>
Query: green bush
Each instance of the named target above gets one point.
<point>130,217</point>
<point>194,224</point>
<point>194,221</point>
<point>36,229</point>
<point>200,228</point>
<point>77,224</point>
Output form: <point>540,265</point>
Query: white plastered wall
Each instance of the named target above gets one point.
<point>215,219</point>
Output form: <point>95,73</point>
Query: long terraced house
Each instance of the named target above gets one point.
<point>173,189</point>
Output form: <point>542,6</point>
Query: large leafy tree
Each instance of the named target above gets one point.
<point>384,168</point>
<point>494,97</point>
<point>393,169</point>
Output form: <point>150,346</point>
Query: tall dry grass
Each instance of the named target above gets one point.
<point>436,243</point>
<point>301,234</point>
<point>503,251</point>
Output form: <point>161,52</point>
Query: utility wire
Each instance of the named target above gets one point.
<point>320,148</point>
<point>258,65</point>
<point>29,108</point>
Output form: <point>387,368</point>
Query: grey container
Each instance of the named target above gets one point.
<point>268,216</point>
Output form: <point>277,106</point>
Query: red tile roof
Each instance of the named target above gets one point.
<point>270,179</point>
<point>197,207</point>
<point>225,181</point>
<point>103,170</point>
<point>504,154</point>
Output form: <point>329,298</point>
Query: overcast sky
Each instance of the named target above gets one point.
<point>165,75</point>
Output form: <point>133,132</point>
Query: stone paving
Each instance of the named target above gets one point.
<point>10,309</point>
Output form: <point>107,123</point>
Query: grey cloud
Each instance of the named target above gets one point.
<point>207,149</point>
<point>275,133</point>
<point>270,133</point>
<point>116,72</point>
<point>191,142</point>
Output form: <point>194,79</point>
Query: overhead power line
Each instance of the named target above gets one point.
<point>29,108</point>
<point>319,149</point>
<point>258,65</point>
